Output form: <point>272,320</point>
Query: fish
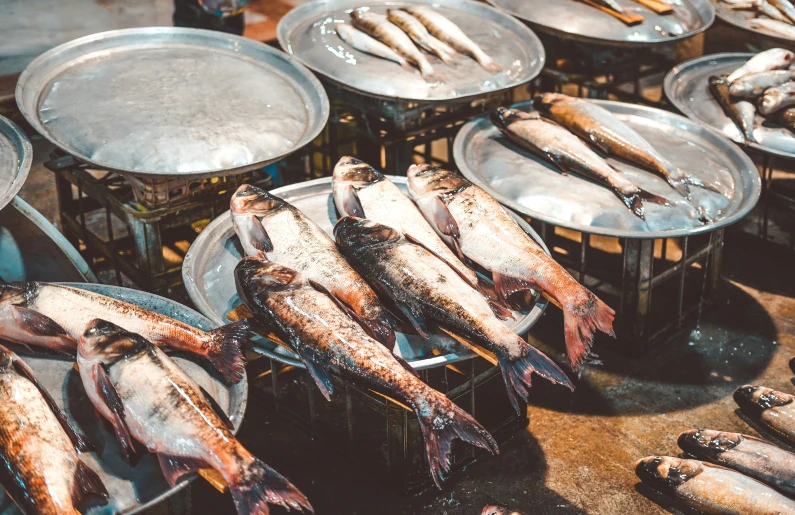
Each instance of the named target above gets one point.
<point>478,227</point>
<point>570,154</point>
<point>779,28</point>
<point>773,59</point>
<point>267,226</point>
<point>772,409</point>
<point>425,287</point>
<point>604,130</point>
<point>786,117</point>
<point>147,398</point>
<point>785,7</point>
<point>451,34</point>
<point>748,455</point>
<point>710,488</point>
<point>53,316</point>
<point>494,509</point>
<point>741,112</point>
<point>40,467</point>
<point>327,340</point>
<point>379,27</point>
<point>364,43</point>
<point>420,35</point>
<point>763,7</point>
<point>754,85</point>
<point>777,98</point>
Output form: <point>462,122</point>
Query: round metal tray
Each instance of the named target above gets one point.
<point>172,102</point>
<point>16,155</point>
<point>132,488</point>
<point>307,32</point>
<point>527,184</point>
<point>687,87</point>
<point>739,18</point>
<point>577,21</point>
<point>208,274</point>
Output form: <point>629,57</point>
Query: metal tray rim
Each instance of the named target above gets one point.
<point>25,151</point>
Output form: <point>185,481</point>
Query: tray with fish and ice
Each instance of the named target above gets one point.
<point>208,273</point>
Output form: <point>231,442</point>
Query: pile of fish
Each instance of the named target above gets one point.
<point>566,131</point>
<point>774,16</point>
<point>404,33</point>
<point>764,84</point>
<point>400,263</point>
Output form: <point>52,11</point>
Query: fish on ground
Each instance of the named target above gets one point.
<point>773,409</point>
<point>741,112</point>
<point>364,43</point>
<point>772,59</point>
<point>420,35</point>
<point>753,85</point>
<point>777,98</point>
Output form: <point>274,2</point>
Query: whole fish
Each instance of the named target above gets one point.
<point>741,112</point>
<point>146,397</point>
<point>773,59</point>
<point>779,28</point>
<point>379,27</point>
<point>754,85</point>
<point>569,154</point>
<point>270,227</point>
<point>711,489</point>
<point>40,469</point>
<point>751,456</point>
<point>364,43</point>
<point>602,128</point>
<point>776,99</point>
<point>787,118</point>
<point>327,340</point>
<point>786,8</point>
<point>54,316</point>
<point>771,408</point>
<point>420,35</point>
<point>425,287</point>
<point>451,34</point>
<point>479,228</point>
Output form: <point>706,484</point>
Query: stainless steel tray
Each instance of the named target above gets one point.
<point>132,488</point>
<point>529,185</point>
<point>739,18</point>
<point>576,21</point>
<point>16,154</point>
<point>172,102</point>
<point>307,32</point>
<point>686,86</point>
<point>210,262</point>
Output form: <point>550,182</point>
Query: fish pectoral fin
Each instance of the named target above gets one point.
<point>249,227</point>
<point>406,365</point>
<point>110,397</point>
<point>81,443</point>
<point>321,376</point>
<point>347,201</point>
<point>87,485</point>
<point>217,408</point>
<point>174,467</point>
<point>505,285</point>
<point>443,219</point>
<point>416,320</point>
<point>36,323</point>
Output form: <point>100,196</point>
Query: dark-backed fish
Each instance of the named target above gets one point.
<point>773,59</point>
<point>54,316</point>
<point>270,227</point>
<point>364,43</point>
<point>146,397</point>
<point>424,287</point>
<point>777,98</point>
<point>570,154</point>
<point>420,35</point>
<point>772,409</point>
<point>753,85</point>
<point>741,112</point>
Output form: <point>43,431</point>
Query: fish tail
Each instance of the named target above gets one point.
<point>260,486</point>
<point>580,319</point>
<point>87,484</point>
<point>635,201</point>
<point>695,181</point>
<point>517,373</point>
<point>225,354</point>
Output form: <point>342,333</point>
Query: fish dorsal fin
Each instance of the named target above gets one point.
<point>110,398</point>
<point>217,408</point>
<point>252,233</point>
<point>415,319</point>
<point>174,467</point>
<point>347,200</point>
<point>320,374</point>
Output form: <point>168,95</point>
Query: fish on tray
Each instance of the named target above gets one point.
<point>779,28</point>
<point>753,85</point>
<point>478,227</point>
<point>777,98</point>
<point>786,8</point>
<point>751,456</point>
<point>424,288</point>
<point>570,154</point>
<point>54,316</point>
<point>741,112</point>
<point>146,397</point>
<point>762,7</point>
<point>772,409</point>
<point>267,226</point>
<point>420,35</point>
<point>773,59</point>
<point>41,468</point>
<point>364,43</point>
<point>327,339</point>
<point>710,488</point>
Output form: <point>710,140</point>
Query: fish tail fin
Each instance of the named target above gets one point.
<point>680,186</point>
<point>260,486</point>
<point>517,373</point>
<point>580,319</point>
<point>695,181</point>
<point>635,201</point>
<point>225,354</point>
<point>87,484</point>
<point>441,426</point>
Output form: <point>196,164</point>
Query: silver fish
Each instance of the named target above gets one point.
<point>451,34</point>
<point>146,397</point>
<point>779,28</point>
<point>741,112</point>
<point>772,409</point>
<point>364,43</point>
<point>762,7</point>
<point>786,8</point>
<point>777,98</point>
<point>754,85</point>
<point>420,35</point>
<point>423,286</point>
<point>773,59</point>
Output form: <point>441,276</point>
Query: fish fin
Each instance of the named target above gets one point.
<point>517,373</point>
<point>505,285</point>
<point>38,324</point>
<point>442,218</point>
<point>249,227</point>
<point>347,201</point>
<point>445,423</point>
<point>174,467</point>
<point>321,376</point>
<point>87,485</point>
<point>260,485</point>
<point>225,355</point>
<point>217,408</point>
<point>406,365</point>
<point>500,311</point>
<point>580,320</point>
<point>695,181</point>
<point>417,321</point>
<point>81,443</point>
<point>110,397</point>
<point>634,202</point>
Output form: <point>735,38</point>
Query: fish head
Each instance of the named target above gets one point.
<point>257,275</point>
<point>755,399</point>
<point>503,117</point>
<point>425,180</point>
<point>357,233</point>
<point>666,473</point>
<point>545,101</point>
<point>250,199</point>
<point>706,442</point>
<point>356,172</point>
<point>106,342</point>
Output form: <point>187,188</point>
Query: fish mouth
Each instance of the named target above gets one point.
<point>756,399</point>
<point>666,473</point>
<point>355,170</point>
<point>106,339</point>
<point>705,442</point>
<point>247,190</point>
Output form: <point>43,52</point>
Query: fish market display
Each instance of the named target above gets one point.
<point>771,408</point>
<point>570,154</point>
<point>364,43</point>
<point>41,469</point>
<point>773,59</point>
<point>420,35</point>
<point>753,457</point>
<point>741,112</point>
<point>753,85</point>
<point>270,227</point>
<point>327,340</point>
<point>710,488</point>
<point>786,8</point>
<point>762,7</point>
<point>54,316</point>
<point>146,397</point>
<point>779,28</point>
<point>777,98</point>
<point>475,224</point>
<point>425,288</point>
